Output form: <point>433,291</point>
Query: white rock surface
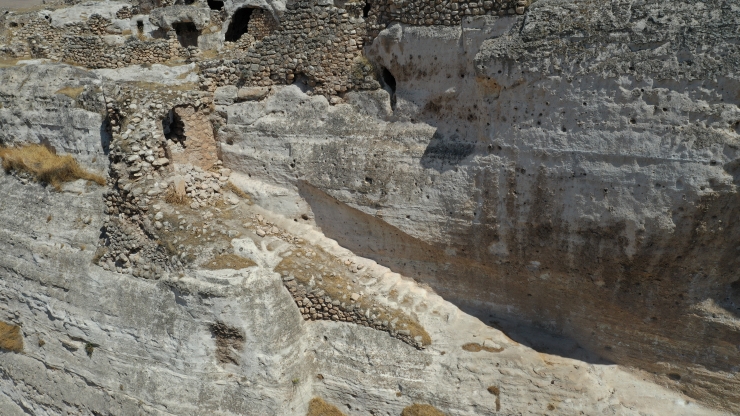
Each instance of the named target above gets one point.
<point>82,11</point>
<point>156,73</point>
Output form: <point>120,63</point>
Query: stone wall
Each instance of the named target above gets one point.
<point>313,43</point>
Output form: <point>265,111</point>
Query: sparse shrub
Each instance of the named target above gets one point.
<point>236,190</point>
<point>45,166</point>
<point>475,347</point>
<point>496,392</point>
<point>89,348</point>
<point>10,337</point>
<point>71,92</point>
<point>228,261</point>
<point>318,407</point>
<point>99,253</point>
<point>171,197</point>
<point>417,409</point>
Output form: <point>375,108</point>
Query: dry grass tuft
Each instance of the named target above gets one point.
<point>228,261</point>
<point>417,409</point>
<point>318,407</point>
<point>209,54</point>
<point>237,191</point>
<point>6,62</point>
<point>45,166</point>
<point>496,392</point>
<point>71,92</point>
<point>172,197</point>
<point>475,347</point>
<point>10,337</point>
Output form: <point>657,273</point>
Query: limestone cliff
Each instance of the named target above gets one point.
<point>498,207</point>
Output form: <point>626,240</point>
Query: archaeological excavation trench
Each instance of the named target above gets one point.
<point>370,208</point>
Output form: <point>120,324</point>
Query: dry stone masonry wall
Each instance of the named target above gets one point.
<point>140,173</point>
<point>312,43</point>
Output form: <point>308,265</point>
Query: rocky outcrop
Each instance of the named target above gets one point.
<point>547,169</point>
<point>473,207</point>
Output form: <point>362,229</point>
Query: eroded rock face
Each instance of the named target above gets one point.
<point>565,172</point>
<point>556,181</point>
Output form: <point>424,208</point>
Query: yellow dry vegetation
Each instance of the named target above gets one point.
<point>417,409</point>
<point>496,392</point>
<point>237,191</point>
<point>172,197</point>
<point>8,62</point>
<point>45,166</point>
<point>475,347</point>
<point>228,261</point>
<point>10,337</point>
<point>71,92</point>
<point>318,407</point>
<point>209,54</point>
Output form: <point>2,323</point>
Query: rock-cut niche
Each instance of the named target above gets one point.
<point>253,21</point>
<point>239,24</point>
<point>190,138</point>
<point>187,33</point>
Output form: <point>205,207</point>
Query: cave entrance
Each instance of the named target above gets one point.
<point>239,24</point>
<point>366,9</point>
<point>174,131</point>
<point>187,33</point>
<point>215,4</point>
<point>140,27</point>
<point>390,81</point>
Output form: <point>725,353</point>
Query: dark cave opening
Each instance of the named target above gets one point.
<point>187,33</point>
<point>239,24</point>
<point>140,27</point>
<point>390,81</point>
<point>215,4</point>
<point>366,9</point>
<point>174,129</point>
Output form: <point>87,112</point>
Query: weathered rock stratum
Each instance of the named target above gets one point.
<point>372,208</point>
